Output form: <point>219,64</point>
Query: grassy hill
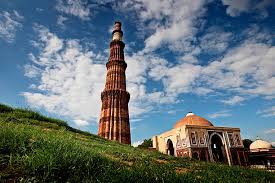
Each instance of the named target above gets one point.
<point>35,148</point>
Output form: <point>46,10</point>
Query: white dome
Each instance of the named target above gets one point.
<point>192,119</point>
<point>260,144</point>
<point>190,114</point>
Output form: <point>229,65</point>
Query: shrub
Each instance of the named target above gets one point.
<point>5,108</point>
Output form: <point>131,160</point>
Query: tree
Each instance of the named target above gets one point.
<point>246,143</point>
<point>146,143</point>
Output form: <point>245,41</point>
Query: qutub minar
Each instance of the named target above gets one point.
<point>114,118</point>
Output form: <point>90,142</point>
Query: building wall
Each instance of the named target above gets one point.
<point>195,141</point>
<point>264,158</point>
<point>231,140</point>
<point>176,135</point>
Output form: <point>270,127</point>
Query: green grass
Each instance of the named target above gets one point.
<point>35,148</point>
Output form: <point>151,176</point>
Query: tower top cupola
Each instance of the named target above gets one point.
<point>117,32</point>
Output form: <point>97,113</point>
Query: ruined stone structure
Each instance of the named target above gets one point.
<point>114,118</point>
<point>261,154</point>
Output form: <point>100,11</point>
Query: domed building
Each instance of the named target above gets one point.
<point>260,145</point>
<point>262,154</point>
<point>197,138</point>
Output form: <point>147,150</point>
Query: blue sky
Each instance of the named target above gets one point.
<point>214,58</point>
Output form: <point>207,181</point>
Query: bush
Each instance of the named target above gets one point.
<point>146,143</point>
<point>5,108</point>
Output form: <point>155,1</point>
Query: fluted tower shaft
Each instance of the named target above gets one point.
<point>114,118</point>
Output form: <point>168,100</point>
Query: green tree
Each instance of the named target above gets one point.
<point>146,143</point>
<point>246,143</point>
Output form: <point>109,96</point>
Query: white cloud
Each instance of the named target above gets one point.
<point>81,123</point>
<point>71,78</point>
<point>234,100</point>
<point>78,8</point>
<point>263,5</point>
<point>257,34</point>
<point>171,112</point>
<point>39,9</point>
<point>178,78</point>
<point>69,81</point>
<point>158,68</point>
<point>31,71</point>
<point>202,91</point>
<point>10,23</point>
<point>236,7</point>
<point>220,114</point>
<point>60,21</point>
<point>246,69</point>
<point>270,131</point>
<point>136,70</point>
<point>140,66</point>
<point>215,40</point>
<point>171,23</point>
<point>189,58</point>
<point>135,144</point>
<point>17,15</point>
<point>136,120</point>
<point>269,112</point>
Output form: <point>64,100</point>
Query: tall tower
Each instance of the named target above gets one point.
<point>114,118</point>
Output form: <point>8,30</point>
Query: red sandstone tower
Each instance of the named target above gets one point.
<point>114,118</point>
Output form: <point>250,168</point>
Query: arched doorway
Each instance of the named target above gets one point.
<point>203,155</point>
<point>217,148</point>
<point>170,148</point>
<point>195,156</point>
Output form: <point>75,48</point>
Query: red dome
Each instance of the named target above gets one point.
<point>192,119</point>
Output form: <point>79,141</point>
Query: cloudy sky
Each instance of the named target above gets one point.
<point>215,58</point>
